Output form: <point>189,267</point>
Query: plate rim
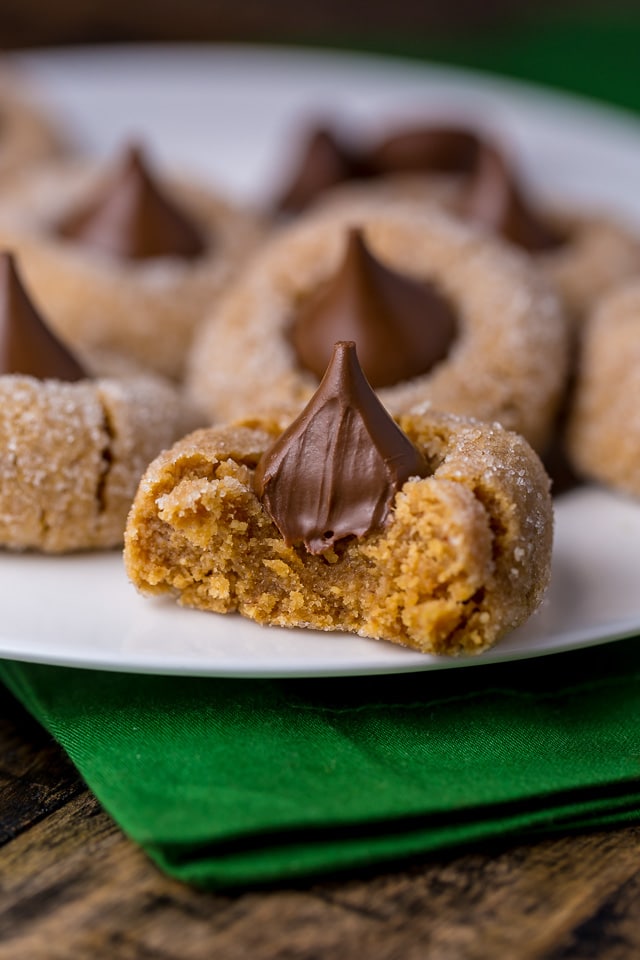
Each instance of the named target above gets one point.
<point>548,98</point>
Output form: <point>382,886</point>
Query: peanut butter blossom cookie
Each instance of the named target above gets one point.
<point>327,159</point>
<point>433,532</point>
<point>127,260</point>
<point>583,254</point>
<point>603,435</point>
<point>27,136</point>
<point>440,313</point>
<point>72,449</point>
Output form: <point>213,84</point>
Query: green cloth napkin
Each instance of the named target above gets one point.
<point>589,52</point>
<point>228,782</point>
<point>232,782</point>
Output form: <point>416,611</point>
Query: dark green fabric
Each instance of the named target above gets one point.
<point>229,782</point>
<point>593,53</point>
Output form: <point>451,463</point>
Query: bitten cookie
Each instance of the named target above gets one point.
<point>124,260</point>
<point>603,432</point>
<point>435,533</point>
<point>446,316</point>
<point>72,450</point>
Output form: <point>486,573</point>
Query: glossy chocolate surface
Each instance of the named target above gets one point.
<point>27,345</point>
<point>132,218</point>
<point>402,327</point>
<point>325,162</point>
<point>335,471</point>
<point>426,149</point>
<point>493,198</point>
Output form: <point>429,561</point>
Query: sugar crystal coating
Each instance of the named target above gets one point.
<point>465,557</point>
<point>508,361</point>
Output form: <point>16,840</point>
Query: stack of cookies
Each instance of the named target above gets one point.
<point>383,359</point>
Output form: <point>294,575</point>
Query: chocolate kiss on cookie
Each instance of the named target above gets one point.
<point>335,471</point>
<point>325,163</point>
<point>493,198</point>
<point>27,345</point>
<point>133,219</point>
<point>426,149</point>
<point>403,327</point>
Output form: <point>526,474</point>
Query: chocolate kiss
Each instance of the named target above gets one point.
<point>402,327</point>
<point>27,345</point>
<point>492,197</point>
<point>335,471</point>
<point>325,162</point>
<point>133,219</point>
<point>426,149</point>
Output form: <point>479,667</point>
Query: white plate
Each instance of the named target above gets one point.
<point>230,115</point>
<point>80,610</point>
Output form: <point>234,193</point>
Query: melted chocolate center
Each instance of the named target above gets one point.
<point>493,198</point>
<point>27,345</point>
<point>402,327</point>
<point>335,471</point>
<point>133,219</point>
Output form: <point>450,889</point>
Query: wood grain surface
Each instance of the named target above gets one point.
<point>73,886</point>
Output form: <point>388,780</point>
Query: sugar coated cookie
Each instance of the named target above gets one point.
<point>28,136</point>
<point>501,355</point>
<point>603,433</point>
<point>583,253</point>
<point>72,449</point>
<point>434,531</point>
<point>123,260</point>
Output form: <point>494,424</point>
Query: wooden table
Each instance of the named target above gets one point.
<point>73,887</point>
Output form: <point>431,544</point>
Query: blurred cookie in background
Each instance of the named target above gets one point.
<point>30,133</point>
<point>584,253</point>
<point>127,258</point>
<point>74,445</point>
<point>603,432</point>
<point>442,314</point>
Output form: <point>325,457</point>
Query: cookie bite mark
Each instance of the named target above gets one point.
<point>492,197</point>
<point>402,327</point>
<point>132,218</point>
<point>27,345</point>
<point>463,557</point>
<point>334,473</point>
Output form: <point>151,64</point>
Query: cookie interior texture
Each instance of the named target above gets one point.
<point>464,558</point>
